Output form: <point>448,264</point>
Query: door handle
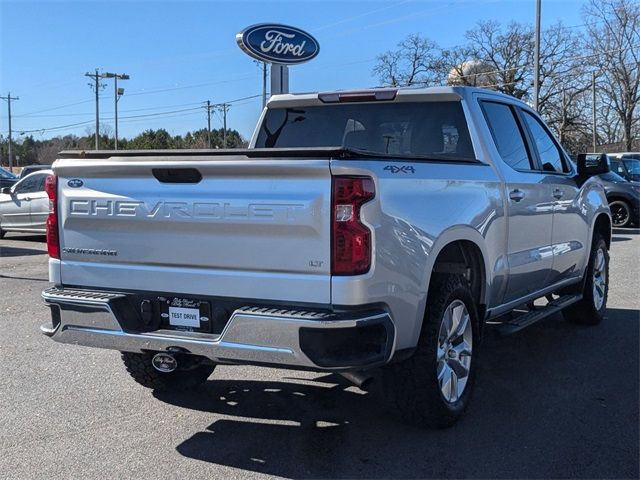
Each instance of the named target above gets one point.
<point>558,194</point>
<point>516,195</point>
<point>26,199</point>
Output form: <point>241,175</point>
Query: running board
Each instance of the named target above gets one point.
<point>533,316</point>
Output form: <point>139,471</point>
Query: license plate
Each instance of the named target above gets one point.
<point>185,314</point>
<point>184,317</point>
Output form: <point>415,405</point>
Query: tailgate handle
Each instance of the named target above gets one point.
<point>177,175</point>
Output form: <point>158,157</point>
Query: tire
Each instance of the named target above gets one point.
<point>590,310</point>
<point>190,373</point>
<point>620,213</point>
<point>413,386</point>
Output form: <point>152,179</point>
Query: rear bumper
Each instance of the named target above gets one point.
<point>253,335</point>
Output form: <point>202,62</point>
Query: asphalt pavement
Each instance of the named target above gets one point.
<point>554,401</point>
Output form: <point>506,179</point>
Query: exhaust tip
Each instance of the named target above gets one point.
<point>164,362</point>
<point>362,380</point>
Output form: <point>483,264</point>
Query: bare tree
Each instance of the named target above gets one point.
<point>510,53</point>
<point>563,71</point>
<point>413,62</point>
<point>609,126</point>
<point>614,41</point>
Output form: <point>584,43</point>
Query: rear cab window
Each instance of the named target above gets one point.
<point>507,135</point>
<point>411,128</point>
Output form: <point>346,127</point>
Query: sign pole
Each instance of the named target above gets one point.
<point>279,79</point>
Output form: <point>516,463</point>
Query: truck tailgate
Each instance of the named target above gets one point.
<point>248,229</point>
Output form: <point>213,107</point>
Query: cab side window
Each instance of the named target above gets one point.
<point>551,157</point>
<point>507,135</point>
<point>31,184</point>
<point>616,166</point>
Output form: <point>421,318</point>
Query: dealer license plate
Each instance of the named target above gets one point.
<point>184,317</point>
<point>185,313</point>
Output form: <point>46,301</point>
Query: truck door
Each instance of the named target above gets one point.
<point>570,225</point>
<point>16,211</point>
<point>529,204</point>
<point>39,204</point>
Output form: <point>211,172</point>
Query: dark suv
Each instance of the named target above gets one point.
<point>624,199</point>
<point>627,165</point>
<point>7,179</point>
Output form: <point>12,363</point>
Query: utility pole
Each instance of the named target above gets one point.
<point>117,93</point>
<point>536,58</point>
<point>264,84</point>
<point>8,98</point>
<point>96,78</point>
<point>224,106</point>
<point>593,100</point>
<point>209,107</point>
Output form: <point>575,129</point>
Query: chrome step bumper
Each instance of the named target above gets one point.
<point>270,336</point>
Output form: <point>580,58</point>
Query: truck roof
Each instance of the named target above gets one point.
<point>424,94</point>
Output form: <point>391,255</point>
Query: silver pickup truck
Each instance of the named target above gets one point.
<point>370,233</point>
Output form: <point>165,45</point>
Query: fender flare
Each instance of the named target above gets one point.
<point>450,235</point>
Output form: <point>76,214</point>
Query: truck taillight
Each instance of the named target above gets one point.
<point>53,238</point>
<point>351,239</point>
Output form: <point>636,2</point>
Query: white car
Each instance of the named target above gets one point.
<point>24,206</point>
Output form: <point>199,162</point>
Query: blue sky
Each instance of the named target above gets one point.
<point>182,53</point>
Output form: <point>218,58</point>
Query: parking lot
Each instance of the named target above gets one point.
<point>555,401</point>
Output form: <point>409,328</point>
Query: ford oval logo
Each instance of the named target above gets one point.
<point>274,43</point>
<point>75,183</point>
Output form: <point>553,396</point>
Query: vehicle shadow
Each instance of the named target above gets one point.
<point>626,231</point>
<point>25,237</point>
<point>19,252</point>
<point>547,403</point>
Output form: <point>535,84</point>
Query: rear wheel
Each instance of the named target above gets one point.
<point>433,387</point>
<point>190,373</point>
<point>590,310</point>
<point>620,213</point>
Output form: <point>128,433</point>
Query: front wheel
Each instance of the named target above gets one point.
<point>590,310</point>
<point>620,213</point>
<point>433,387</point>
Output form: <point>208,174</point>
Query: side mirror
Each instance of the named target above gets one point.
<point>590,164</point>
<point>6,190</point>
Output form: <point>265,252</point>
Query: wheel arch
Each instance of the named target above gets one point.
<point>602,225</point>
<point>460,250</point>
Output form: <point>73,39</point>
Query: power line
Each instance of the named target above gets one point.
<point>197,85</point>
<point>55,108</point>
<point>146,92</point>
<point>365,14</point>
<point>142,116</point>
<point>42,130</point>
<point>109,113</point>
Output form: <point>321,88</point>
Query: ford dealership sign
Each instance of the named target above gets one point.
<point>274,43</point>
